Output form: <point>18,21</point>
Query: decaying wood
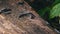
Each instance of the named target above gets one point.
<point>13,24</point>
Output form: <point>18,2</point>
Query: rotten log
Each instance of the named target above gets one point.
<point>21,19</point>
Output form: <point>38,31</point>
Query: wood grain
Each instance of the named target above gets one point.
<point>12,24</point>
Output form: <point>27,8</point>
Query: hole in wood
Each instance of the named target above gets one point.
<point>5,11</point>
<point>20,3</point>
<point>27,14</point>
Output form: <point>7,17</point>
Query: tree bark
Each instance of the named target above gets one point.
<point>26,24</point>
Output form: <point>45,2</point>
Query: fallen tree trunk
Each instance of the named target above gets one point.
<point>20,18</point>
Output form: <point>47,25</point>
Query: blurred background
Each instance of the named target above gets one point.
<point>49,10</point>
